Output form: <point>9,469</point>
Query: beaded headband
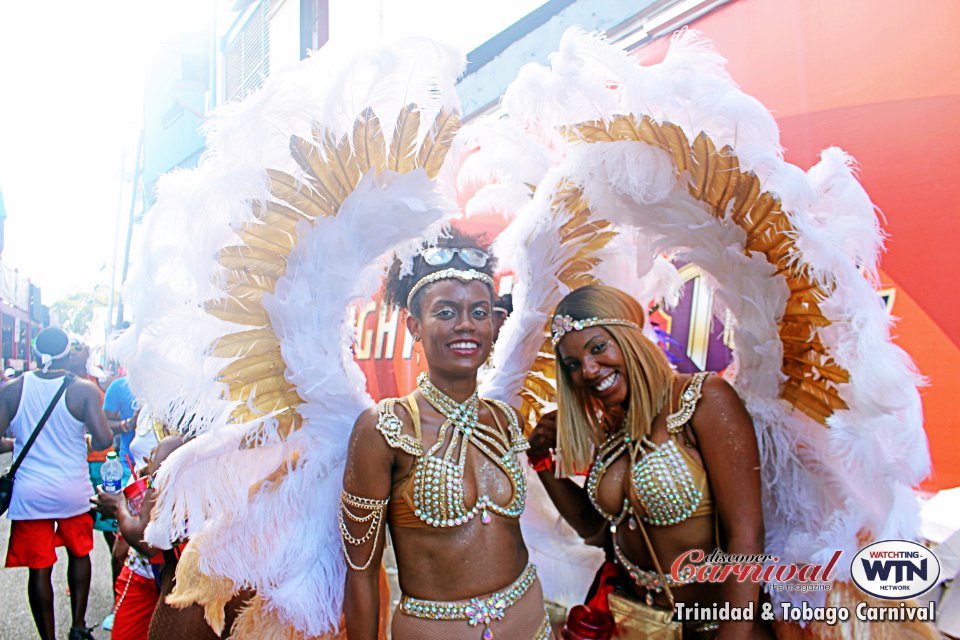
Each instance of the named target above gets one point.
<point>562,325</point>
<point>449,274</point>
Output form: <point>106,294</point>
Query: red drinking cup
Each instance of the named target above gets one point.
<point>134,493</point>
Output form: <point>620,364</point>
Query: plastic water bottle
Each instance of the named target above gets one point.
<point>111,474</point>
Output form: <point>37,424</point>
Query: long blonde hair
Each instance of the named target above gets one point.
<point>648,377</point>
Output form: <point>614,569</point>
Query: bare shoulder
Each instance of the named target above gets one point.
<point>718,394</point>
<point>366,423</point>
<point>505,412</point>
<point>12,390</point>
<point>720,410</point>
<point>84,388</point>
<point>370,437</point>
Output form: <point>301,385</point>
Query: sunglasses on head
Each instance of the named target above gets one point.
<point>437,256</point>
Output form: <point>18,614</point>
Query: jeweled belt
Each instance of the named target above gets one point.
<point>476,611</point>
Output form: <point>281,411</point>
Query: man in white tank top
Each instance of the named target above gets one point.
<point>50,504</point>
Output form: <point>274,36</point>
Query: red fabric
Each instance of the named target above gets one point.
<point>542,462</point>
<point>133,613</point>
<point>33,543</point>
<point>599,600</point>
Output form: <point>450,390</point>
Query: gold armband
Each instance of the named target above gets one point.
<point>366,511</point>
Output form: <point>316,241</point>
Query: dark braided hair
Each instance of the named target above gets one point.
<point>396,288</point>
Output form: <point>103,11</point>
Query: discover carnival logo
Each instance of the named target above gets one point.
<point>891,570</point>
<point>895,569</point>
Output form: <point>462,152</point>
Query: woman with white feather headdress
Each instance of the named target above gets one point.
<point>790,259</point>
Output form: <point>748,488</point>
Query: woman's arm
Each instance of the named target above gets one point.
<point>363,512</point>
<point>728,445</point>
<point>570,499</point>
<point>131,527</point>
<point>114,505</point>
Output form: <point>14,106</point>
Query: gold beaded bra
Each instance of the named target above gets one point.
<point>433,496</point>
<point>665,480</point>
<point>668,484</point>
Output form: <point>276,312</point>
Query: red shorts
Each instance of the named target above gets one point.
<point>133,613</point>
<point>33,543</point>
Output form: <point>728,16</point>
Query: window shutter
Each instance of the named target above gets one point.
<point>248,54</point>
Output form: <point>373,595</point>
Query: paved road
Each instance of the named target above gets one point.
<point>16,623</point>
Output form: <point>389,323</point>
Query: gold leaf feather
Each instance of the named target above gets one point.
<point>233,310</point>
<point>343,164</point>
<point>245,343</point>
<point>701,165</point>
<point>730,186</point>
<point>675,142</point>
<point>747,193</point>
<point>595,131</point>
<point>542,388</point>
<point>368,143</point>
<point>279,216</point>
<point>244,278</point>
<point>649,132</point>
<point>435,146</point>
<point>404,143</point>
<point>245,370</point>
<point>311,159</point>
<point>300,195</point>
<point>253,259</point>
<point>271,401</point>
<point>269,384</point>
<point>273,239</point>
<point>766,205</point>
<point>246,294</point>
<point>624,128</point>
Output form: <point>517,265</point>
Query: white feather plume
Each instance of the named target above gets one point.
<point>255,516</point>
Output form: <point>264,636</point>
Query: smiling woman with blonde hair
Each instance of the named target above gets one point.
<point>671,462</point>
<point>647,371</point>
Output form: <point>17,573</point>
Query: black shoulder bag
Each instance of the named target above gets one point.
<point>6,481</point>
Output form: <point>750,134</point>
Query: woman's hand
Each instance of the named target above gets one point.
<point>107,504</point>
<point>543,438</point>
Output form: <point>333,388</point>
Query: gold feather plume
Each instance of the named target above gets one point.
<point>715,178</point>
<point>332,168</point>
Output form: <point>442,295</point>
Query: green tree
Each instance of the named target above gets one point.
<point>75,312</point>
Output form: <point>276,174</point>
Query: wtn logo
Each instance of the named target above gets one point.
<point>895,569</point>
<point>903,570</point>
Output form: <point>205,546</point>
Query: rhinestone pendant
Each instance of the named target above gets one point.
<point>485,519</point>
<point>487,634</point>
<point>632,524</point>
<point>649,598</point>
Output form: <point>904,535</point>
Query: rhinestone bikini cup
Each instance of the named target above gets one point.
<point>438,481</point>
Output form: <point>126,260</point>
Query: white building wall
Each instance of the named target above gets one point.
<point>482,88</point>
<point>284,33</point>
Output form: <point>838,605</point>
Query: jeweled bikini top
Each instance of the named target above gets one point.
<point>665,480</point>
<point>437,491</point>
